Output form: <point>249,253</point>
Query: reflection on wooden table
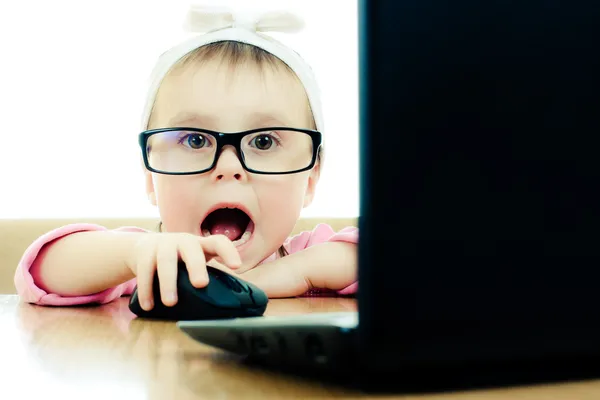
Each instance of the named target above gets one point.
<point>104,352</point>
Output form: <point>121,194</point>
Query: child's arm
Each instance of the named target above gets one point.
<point>320,259</point>
<point>82,264</point>
<point>77,264</point>
<point>324,266</point>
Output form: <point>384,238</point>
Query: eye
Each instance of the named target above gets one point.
<point>195,141</point>
<point>263,141</point>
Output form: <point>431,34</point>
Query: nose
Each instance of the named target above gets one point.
<point>229,166</point>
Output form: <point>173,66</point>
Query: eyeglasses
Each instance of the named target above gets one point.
<point>187,151</point>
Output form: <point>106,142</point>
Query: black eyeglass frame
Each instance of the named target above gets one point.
<point>229,139</point>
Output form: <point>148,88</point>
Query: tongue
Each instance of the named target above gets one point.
<point>228,228</point>
<point>229,223</point>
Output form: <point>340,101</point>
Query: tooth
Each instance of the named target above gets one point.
<point>245,237</point>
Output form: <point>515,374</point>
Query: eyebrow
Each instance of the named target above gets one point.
<point>191,120</point>
<point>257,119</point>
<point>263,120</point>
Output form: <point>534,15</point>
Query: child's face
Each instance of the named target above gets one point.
<point>218,97</point>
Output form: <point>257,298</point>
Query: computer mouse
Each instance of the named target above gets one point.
<point>225,296</point>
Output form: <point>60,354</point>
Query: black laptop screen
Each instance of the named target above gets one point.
<point>480,165</point>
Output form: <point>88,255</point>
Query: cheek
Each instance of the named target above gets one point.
<point>281,200</point>
<point>176,201</point>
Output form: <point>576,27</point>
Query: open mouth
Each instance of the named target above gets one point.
<point>233,223</point>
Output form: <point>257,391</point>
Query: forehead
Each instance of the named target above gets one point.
<point>219,95</point>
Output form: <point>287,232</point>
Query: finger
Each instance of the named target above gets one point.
<point>166,266</point>
<point>193,256</point>
<point>220,245</point>
<point>215,262</point>
<point>145,269</point>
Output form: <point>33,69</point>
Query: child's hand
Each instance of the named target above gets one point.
<point>330,266</point>
<point>160,252</point>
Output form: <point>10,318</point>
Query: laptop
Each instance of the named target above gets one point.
<point>479,252</point>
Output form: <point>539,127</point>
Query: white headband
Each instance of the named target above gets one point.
<point>218,24</point>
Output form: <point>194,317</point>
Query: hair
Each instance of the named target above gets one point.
<point>236,53</point>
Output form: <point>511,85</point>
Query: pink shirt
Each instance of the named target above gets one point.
<point>31,293</point>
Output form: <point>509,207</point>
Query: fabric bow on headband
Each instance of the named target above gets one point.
<point>202,19</point>
<point>212,25</point>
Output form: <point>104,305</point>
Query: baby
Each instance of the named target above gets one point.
<point>232,148</point>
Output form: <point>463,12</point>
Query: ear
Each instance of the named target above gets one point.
<point>311,188</point>
<point>150,188</point>
<point>148,183</point>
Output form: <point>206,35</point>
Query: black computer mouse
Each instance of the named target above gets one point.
<point>225,296</point>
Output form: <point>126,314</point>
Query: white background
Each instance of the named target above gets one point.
<point>73,77</point>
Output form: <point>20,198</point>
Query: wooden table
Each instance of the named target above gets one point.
<point>104,352</point>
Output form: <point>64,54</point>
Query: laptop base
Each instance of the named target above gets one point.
<point>324,347</point>
<point>319,341</point>
<point>438,380</point>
